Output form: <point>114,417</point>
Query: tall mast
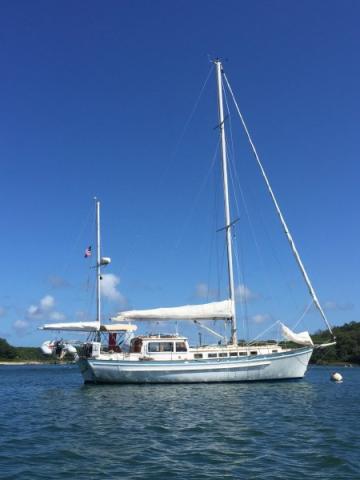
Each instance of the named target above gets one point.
<point>98,263</point>
<point>226,201</point>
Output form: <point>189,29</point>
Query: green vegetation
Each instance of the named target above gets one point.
<point>8,353</point>
<point>346,350</point>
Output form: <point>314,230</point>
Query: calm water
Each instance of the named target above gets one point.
<point>53,427</point>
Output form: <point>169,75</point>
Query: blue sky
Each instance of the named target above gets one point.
<point>94,100</point>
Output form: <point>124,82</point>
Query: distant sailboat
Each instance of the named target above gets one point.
<point>169,358</point>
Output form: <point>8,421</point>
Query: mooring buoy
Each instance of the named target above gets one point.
<point>336,377</point>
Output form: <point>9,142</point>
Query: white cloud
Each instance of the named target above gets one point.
<point>34,312</point>
<point>260,318</point>
<point>47,302</point>
<point>109,289</point>
<point>81,316</point>
<point>334,306</point>
<point>244,294</point>
<point>202,290</point>
<point>56,281</point>
<point>57,316</point>
<point>44,310</point>
<point>20,325</point>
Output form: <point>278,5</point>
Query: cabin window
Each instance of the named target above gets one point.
<point>166,347</point>
<point>223,354</point>
<point>242,354</point>
<point>274,351</point>
<point>154,347</point>
<point>198,355</point>
<point>233,354</point>
<point>212,355</point>
<point>181,347</point>
<point>254,352</point>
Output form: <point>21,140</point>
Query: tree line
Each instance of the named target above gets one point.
<point>9,353</point>
<point>347,348</point>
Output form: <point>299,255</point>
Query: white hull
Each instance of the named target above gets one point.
<point>279,366</point>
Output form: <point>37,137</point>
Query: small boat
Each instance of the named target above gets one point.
<point>58,348</point>
<point>159,358</point>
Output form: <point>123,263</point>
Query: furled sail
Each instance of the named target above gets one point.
<point>302,338</point>
<point>208,311</point>
<point>72,326</point>
<point>88,327</point>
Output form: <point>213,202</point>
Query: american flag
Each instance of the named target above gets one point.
<point>88,252</point>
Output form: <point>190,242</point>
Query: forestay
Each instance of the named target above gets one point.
<point>281,217</point>
<point>302,338</point>
<point>207,311</point>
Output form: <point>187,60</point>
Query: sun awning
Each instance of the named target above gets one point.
<point>88,327</point>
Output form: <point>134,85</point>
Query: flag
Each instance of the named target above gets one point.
<point>88,252</point>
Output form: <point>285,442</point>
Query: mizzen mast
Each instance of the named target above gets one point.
<point>228,224</point>
<point>98,264</point>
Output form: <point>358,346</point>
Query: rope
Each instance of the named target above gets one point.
<point>262,333</point>
<point>77,239</point>
<point>185,128</point>
<point>234,180</point>
<point>282,220</point>
<point>303,315</point>
<point>190,215</point>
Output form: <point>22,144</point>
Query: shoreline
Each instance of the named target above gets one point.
<point>24,362</point>
<point>31,362</point>
<point>334,364</point>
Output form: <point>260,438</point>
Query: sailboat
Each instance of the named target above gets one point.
<point>159,358</point>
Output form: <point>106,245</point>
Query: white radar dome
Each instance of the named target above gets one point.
<point>105,260</point>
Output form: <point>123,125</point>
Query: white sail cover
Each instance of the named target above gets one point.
<point>88,327</point>
<point>302,338</point>
<point>207,311</point>
<point>72,326</point>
